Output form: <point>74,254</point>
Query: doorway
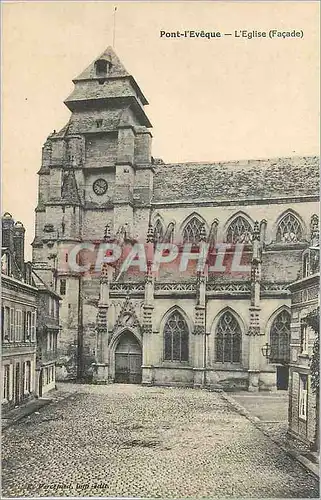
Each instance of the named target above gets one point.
<point>282,377</point>
<point>128,360</point>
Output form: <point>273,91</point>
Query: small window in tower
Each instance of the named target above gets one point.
<point>63,210</point>
<point>101,67</point>
<point>62,287</point>
<point>99,123</point>
<point>74,210</point>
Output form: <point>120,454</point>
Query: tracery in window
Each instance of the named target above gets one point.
<point>176,335</point>
<point>169,233</point>
<point>280,338</point>
<point>158,231</point>
<point>193,231</point>
<point>228,337</point>
<point>289,229</point>
<point>239,231</point>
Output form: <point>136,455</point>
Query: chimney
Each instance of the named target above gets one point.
<point>19,245</point>
<point>7,231</point>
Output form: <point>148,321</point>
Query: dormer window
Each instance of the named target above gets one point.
<point>99,123</point>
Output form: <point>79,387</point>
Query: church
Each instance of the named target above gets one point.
<point>98,182</point>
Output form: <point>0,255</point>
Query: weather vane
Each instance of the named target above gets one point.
<point>114,30</point>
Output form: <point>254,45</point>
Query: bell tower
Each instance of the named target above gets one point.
<point>96,171</point>
<point>108,110</point>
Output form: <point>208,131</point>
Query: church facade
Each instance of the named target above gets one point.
<point>98,182</point>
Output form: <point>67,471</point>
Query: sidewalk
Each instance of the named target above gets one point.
<point>16,414</point>
<point>13,416</point>
<point>268,411</point>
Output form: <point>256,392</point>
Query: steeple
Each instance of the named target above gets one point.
<point>103,82</point>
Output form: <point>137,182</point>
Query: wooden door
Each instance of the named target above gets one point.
<point>128,360</point>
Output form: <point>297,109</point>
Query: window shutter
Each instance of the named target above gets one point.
<point>10,382</point>
<point>29,326</point>
<point>33,326</point>
<point>4,383</point>
<point>18,326</point>
<point>24,326</point>
<point>12,318</point>
<point>16,329</point>
<point>2,323</point>
<point>31,375</point>
<point>23,366</point>
<point>7,323</point>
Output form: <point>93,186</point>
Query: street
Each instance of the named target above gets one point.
<point>128,440</point>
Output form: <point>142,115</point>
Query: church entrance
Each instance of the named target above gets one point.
<point>128,360</point>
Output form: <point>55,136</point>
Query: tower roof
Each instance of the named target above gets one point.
<point>117,69</point>
<point>105,78</point>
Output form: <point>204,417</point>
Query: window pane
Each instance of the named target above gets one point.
<point>236,349</point>
<point>219,347</point>
<point>289,229</point>
<point>192,231</point>
<point>158,231</point>
<point>239,231</point>
<point>280,338</point>
<point>176,335</point>
<point>176,347</point>
<point>184,346</point>
<point>168,345</point>
<point>228,339</point>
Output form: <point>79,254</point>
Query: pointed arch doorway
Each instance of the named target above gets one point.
<point>128,359</point>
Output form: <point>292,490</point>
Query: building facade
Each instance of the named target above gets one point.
<point>305,301</point>
<point>47,336</point>
<point>98,182</point>
<point>18,318</point>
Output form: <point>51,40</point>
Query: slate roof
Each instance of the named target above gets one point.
<point>250,179</point>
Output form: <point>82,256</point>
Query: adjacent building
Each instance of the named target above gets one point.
<point>99,182</point>
<point>305,300</point>
<point>18,318</point>
<point>47,334</point>
<point>29,322</point>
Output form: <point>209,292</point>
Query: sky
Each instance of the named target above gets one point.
<point>210,100</point>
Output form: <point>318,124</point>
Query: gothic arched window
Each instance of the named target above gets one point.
<point>192,231</point>
<point>239,231</point>
<point>169,233</point>
<point>280,338</point>
<point>176,335</point>
<point>228,337</point>
<point>158,231</point>
<point>289,229</point>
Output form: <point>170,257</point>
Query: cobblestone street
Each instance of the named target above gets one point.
<point>127,440</point>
